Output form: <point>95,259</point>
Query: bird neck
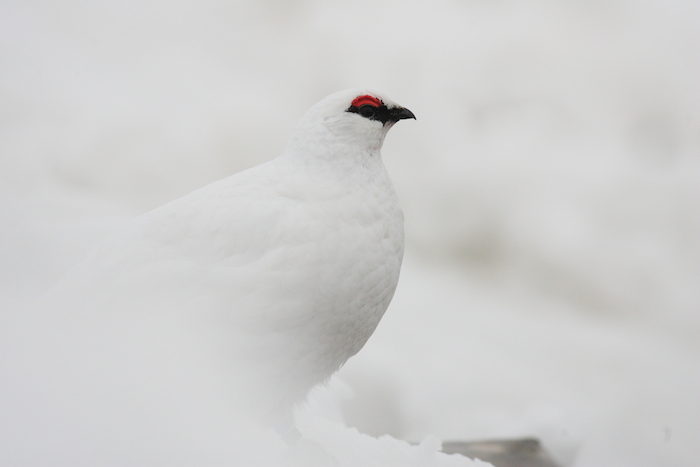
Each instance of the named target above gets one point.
<point>341,153</point>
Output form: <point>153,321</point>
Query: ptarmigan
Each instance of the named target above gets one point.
<point>269,279</point>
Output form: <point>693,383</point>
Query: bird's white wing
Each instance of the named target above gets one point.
<point>235,246</point>
<point>268,269</point>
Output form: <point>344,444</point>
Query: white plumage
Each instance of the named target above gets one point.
<point>272,277</point>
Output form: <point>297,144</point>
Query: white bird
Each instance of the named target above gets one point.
<point>272,277</point>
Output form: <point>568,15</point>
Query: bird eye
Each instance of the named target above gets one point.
<point>366,110</point>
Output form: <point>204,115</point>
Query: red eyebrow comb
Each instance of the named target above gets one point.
<point>366,100</point>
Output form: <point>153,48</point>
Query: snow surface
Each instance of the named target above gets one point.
<point>551,187</point>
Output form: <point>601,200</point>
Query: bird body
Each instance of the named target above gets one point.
<point>278,274</point>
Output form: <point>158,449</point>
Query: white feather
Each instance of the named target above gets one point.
<point>274,276</point>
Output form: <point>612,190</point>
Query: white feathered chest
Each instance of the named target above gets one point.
<point>279,273</point>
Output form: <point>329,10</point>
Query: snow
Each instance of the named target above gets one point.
<point>551,187</point>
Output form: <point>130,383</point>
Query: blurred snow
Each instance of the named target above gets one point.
<point>551,187</point>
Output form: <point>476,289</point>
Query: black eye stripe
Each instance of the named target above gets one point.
<point>371,112</point>
<point>366,110</point>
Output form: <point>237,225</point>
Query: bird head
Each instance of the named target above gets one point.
<point>358,118</point>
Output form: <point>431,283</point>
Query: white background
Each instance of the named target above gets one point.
<point>551,187</point>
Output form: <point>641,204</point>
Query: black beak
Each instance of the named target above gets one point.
<point>400,113</point>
